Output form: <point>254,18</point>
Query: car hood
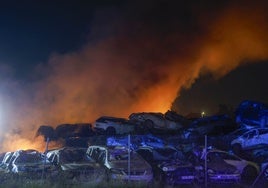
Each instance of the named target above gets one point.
<point>78,166</point>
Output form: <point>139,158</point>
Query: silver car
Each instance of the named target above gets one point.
<point>121,163</point>
<point>74,164</point>
<point>113,125</point>
<point>250,139</point>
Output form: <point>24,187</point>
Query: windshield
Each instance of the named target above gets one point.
<point>29,158</point>
<point>74,155</point>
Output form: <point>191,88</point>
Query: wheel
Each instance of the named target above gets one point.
<point>110,131</point>
<point>237,148</point>
<point>249,174</point>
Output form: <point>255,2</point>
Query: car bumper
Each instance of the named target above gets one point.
<point>187,179</point>
<point>224,178</point>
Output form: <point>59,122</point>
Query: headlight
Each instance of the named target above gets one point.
<point>169,168</point>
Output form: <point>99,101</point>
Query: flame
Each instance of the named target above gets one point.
<point>141,66</point>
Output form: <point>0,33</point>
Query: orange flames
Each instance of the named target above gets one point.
<point>138,68</point>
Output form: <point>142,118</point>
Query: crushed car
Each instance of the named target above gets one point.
<point>173,116</point>
<point>175,172</point>
<point>75,165</point>
<point>252,113</point>
<point>5,164</point>
<point>220,171</point>
<point>216,125</point>
<point>30,164</point>
<point>121,163</point>
<point>152,121</point>
<point>224,142</point>
<point>135,141</point>
<point>256,137</point>
<point>247,169</point>
<point>113,125</point>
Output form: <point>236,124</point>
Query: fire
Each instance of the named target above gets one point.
<point>135,69</point>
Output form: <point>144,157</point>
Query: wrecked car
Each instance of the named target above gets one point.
<point>224,142</point>
<point>212,126</point>
<point>252,138</point>
<point>154,122</point>
<point>4,166</point>
<point>136,141</point>
<point>75,165</point>
<point>176,171</point>
<point>113,125</point>
<point>247,169</point>
<point>30,164</point>
<point>156,155</point>
<point>252,113</point>
<point>219,170</point>
<point>173,116</point>
<point>116,160</point>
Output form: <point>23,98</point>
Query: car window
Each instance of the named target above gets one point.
<point>74,155</point>
<point>52,158</point>
<point>29,158</point>
<point>122,155</point>
<point>102,157</point>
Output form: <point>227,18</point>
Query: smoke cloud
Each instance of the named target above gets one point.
<point>137,58</point>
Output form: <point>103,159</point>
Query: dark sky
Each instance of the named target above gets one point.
<point>71,62</point>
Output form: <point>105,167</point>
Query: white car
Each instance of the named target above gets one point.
<point>250,139</point>
<point>154,120</point>
<point>113,125</point>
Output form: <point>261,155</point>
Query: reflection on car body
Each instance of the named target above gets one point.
<point>252,138</point>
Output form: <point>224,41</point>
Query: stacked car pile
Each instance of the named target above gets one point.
<point>151,147</point>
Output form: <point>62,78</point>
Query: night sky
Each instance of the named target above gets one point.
<point>73,62</point>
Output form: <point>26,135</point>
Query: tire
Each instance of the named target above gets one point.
<point>249,174</point>
<point>110,131</point>
<point>237,148</point>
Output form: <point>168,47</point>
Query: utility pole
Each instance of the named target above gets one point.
<point>206,167</point>
<point>129,157</point>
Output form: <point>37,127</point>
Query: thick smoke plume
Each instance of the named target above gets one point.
<point>137,58</point>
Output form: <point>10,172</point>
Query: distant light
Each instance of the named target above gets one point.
<point>203,114</point>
